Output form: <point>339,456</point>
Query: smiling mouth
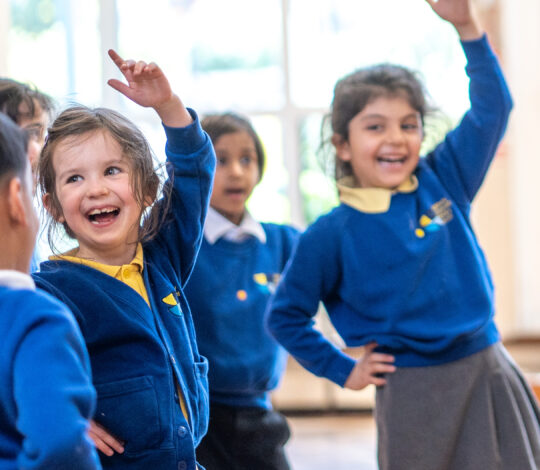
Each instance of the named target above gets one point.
<point>234,192</point>
<point>391,161</point>
<point>99,216</point>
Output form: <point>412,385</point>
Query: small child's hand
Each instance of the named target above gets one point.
<point>104,441</point>
<point>368,369</point>
<point>148,87</point>
<point>459,13</point>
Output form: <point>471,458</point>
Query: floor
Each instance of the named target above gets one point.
<point>341,441</point>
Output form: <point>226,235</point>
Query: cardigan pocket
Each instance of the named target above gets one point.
<point>129,410</point>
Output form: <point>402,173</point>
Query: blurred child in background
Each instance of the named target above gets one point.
<point>31,110</point>
<point>239,264</point>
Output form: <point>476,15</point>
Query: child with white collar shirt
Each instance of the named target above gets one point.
<point>239,264</point>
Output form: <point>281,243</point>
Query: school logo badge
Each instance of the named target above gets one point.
<point>266,282</point>
<point>438,215</point>
<point>174,308</point>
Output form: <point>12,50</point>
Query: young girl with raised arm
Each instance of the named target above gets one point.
<point>46,393</point>
<point>236,271</point>
<point>400,271</point>
<point>124,281</point>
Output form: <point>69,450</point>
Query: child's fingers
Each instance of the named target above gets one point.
<point>119,86</point>
<point>101,446</point>
<point>382,368</point>
<point>152,67</point>
<point>381,357</point>
<point>378,381</point>
<point>115,57</point>
<point>139,67</point>
<point>103,440</point>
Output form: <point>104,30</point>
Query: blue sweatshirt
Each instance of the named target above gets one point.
<point>46,393</point>
<point>138,352</point>
<point>228,292</point>
<point>413,278</point>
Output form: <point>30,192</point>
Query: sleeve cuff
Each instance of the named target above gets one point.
<point>185,140</point>
<point>477,49</point>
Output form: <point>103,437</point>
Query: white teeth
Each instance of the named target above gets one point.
<point>101,211</point>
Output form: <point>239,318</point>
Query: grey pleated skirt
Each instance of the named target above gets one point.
<point>477,413</point>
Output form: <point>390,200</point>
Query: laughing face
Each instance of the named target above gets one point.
<point>384,142</point>
<point>237,173</point>
<point>93,187</point>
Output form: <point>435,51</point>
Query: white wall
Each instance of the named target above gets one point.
<point>520,33</point>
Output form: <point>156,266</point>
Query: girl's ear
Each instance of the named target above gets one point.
<point>15,203</point>
<point>47,203</point>
<point>342,147</point>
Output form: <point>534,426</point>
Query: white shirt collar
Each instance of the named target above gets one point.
<point>216,226</point>
<point>16,279</point>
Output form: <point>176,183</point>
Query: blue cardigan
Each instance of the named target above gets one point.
<point>413,279</point>
<point>46,393</point>
<point>228,292</point>
<point>137,352</point>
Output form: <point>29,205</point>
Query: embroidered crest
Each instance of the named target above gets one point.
<point>266,282</point>
<point>174,307</point>
<point>439,214</point>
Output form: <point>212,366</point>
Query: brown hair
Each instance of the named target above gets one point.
<point>354,91</point>
<point>217,125</point>
<point>14,93</point>
<point>80,121</point>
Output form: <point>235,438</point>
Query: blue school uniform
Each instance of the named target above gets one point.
<point>46,393</point>
<point>236,273</point>
<point>140,353</point>
<point>410,276</point>
<point>228,292</point>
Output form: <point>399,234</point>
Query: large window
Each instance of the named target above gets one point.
<point>273,60</point>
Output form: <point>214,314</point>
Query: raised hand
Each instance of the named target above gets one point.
<point>368,370</point>
<point>148,86</point>
<point>460,14</point>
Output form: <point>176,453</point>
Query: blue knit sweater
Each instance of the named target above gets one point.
<point>413,279</point>
<point>228,292</point>
<point>137,352</point>
<point>46,394</point>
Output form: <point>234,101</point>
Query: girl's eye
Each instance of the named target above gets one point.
<point>374,127</point>
<point>409,127</point>
<point>112,170</point>
<point>221,161</point>
<point>73,178</point>
<point>247,160</point>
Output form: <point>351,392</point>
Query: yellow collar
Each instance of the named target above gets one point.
<point>136,264</point>
<point>371,200</point>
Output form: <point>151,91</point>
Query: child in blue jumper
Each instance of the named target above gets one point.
<point>46,393</point>
<point>124,281</point>
<point>238,266</point>
<point>400,272</point>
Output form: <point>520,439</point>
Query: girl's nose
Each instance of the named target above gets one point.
<point>97,188</point>
<point>236,169</point>
<point>395,135</point>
